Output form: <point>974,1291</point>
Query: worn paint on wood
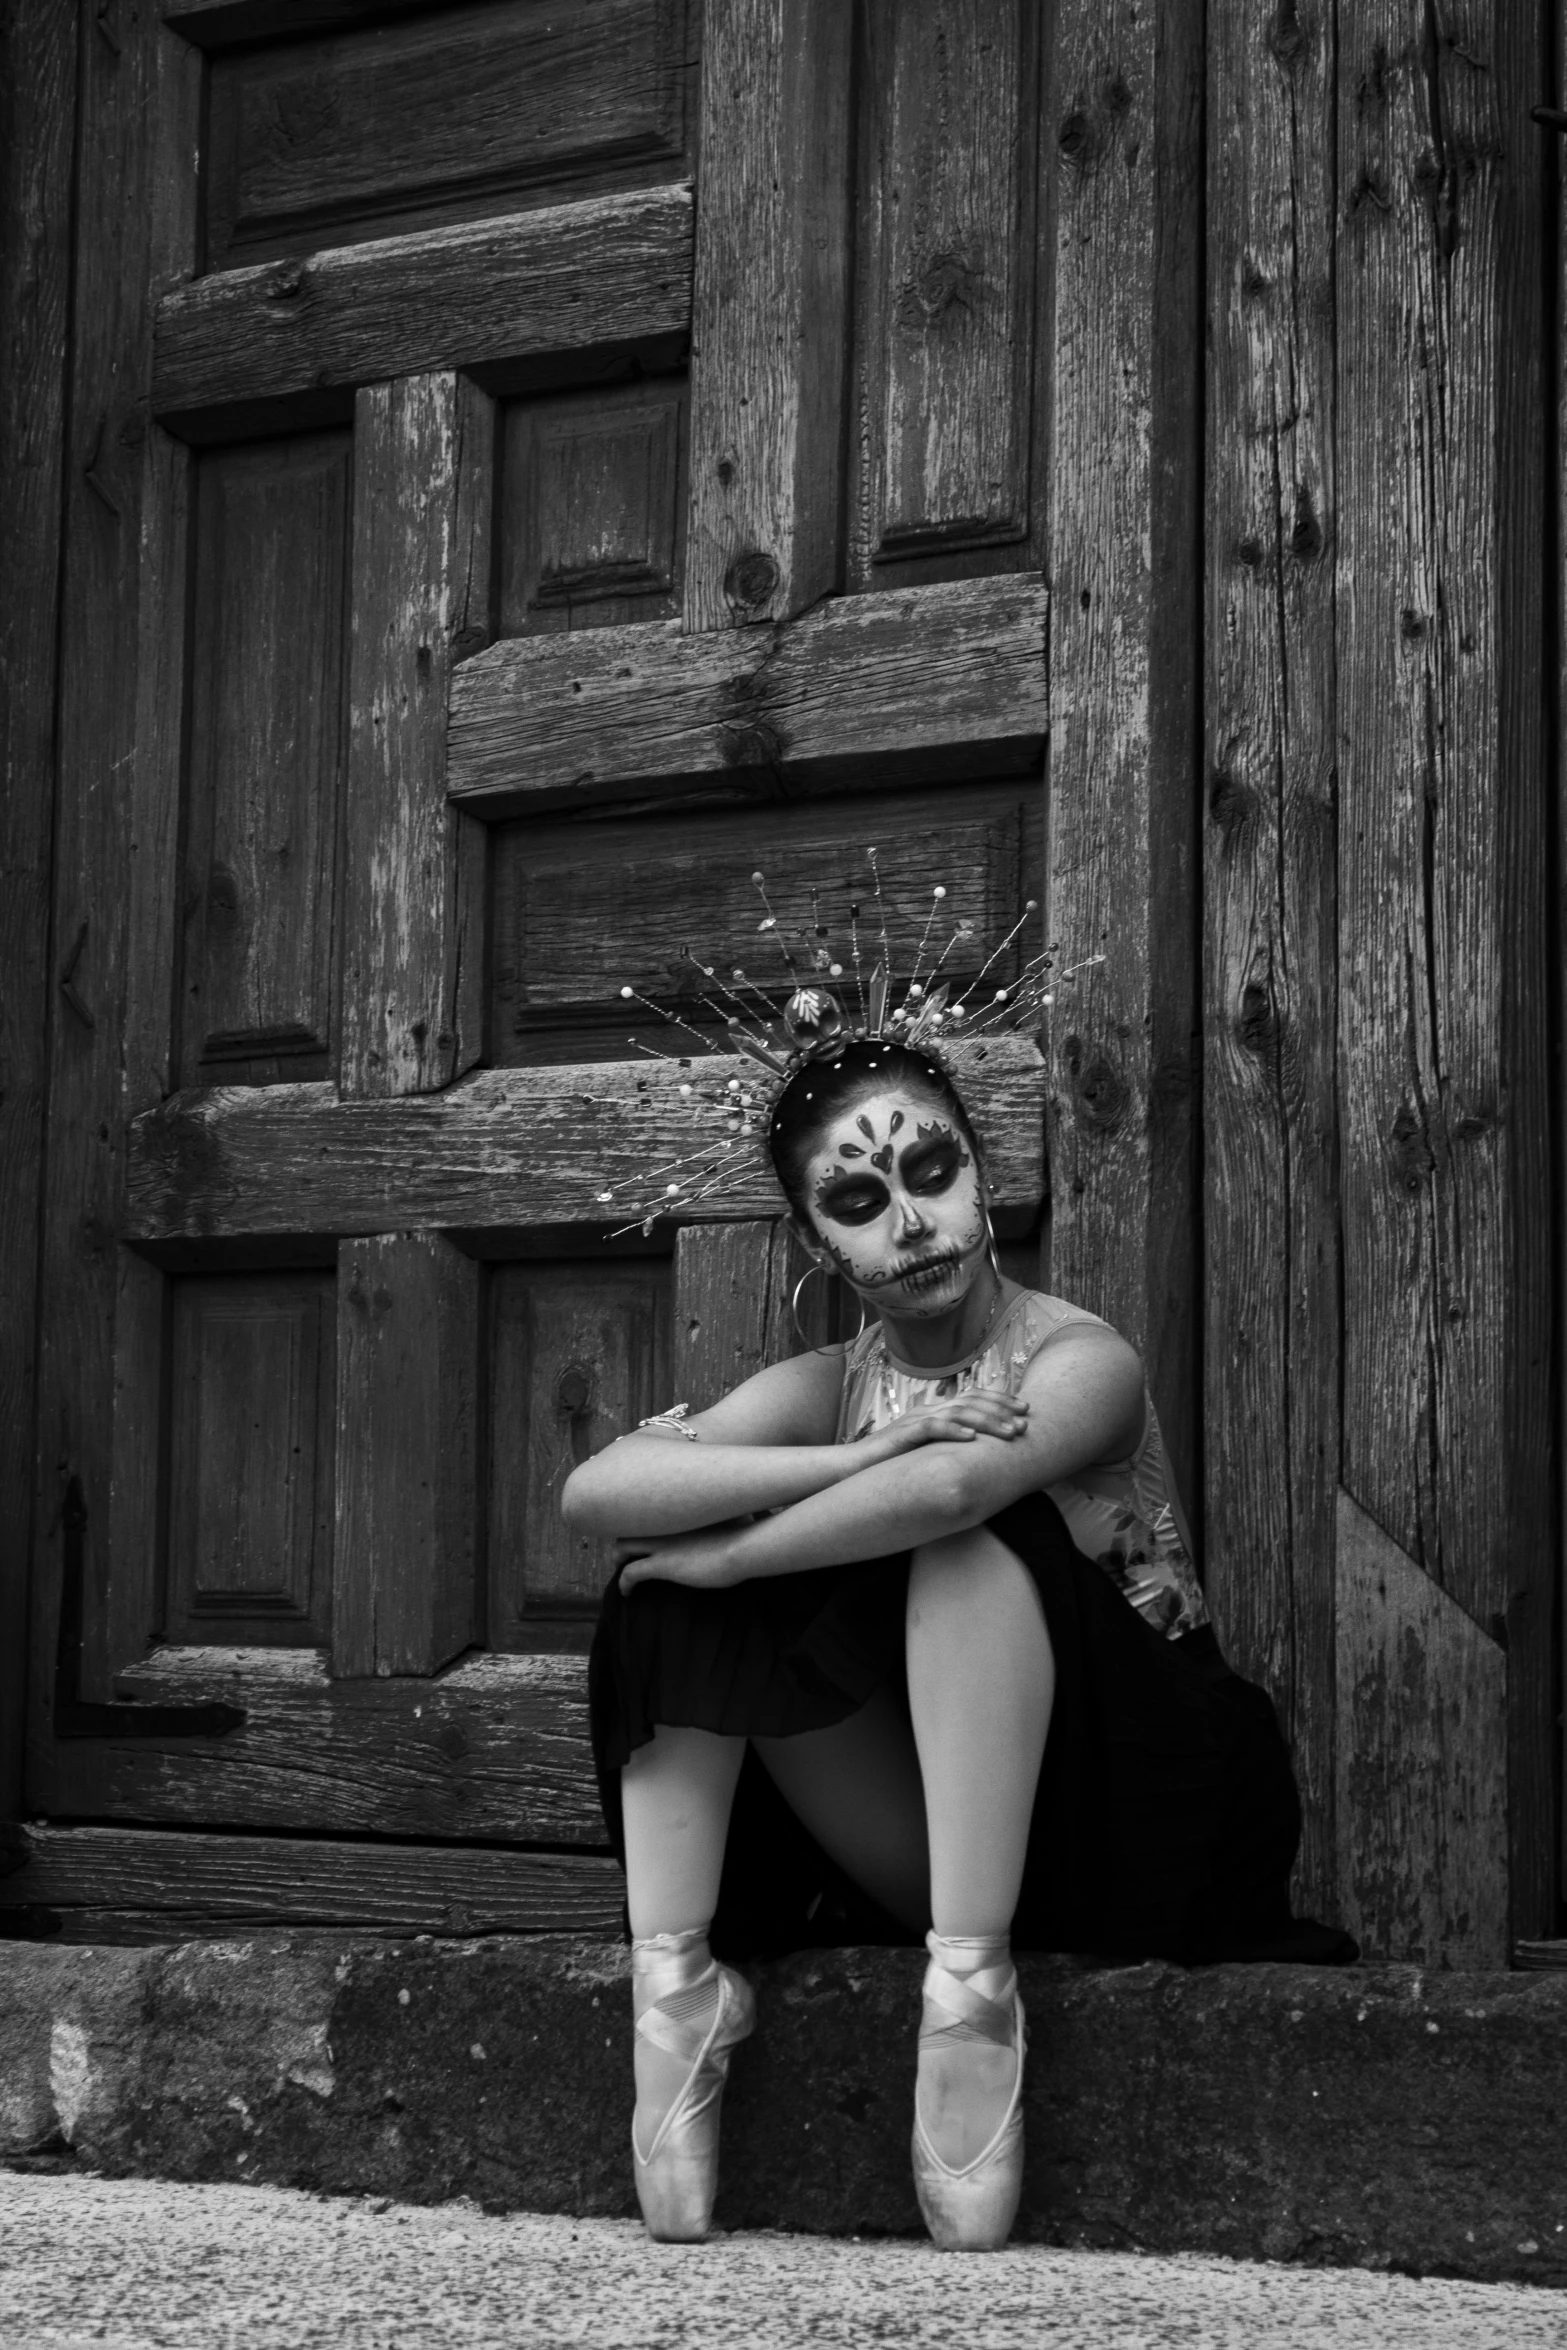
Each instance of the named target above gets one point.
<point>591,507</point>
<point>405,1596</point>
<point>1443,1078</point>
<point>413,897</point>
<point>769,310</point>
<point>268,665</point>
<point>945,290</point>
<point>1422,1760</point>
<point>465,110</point>
<point>160,1883</point>
<point>496,1749</point>
<point>1270,1193</point>
<point>37,74</point>
<point>1126,98</point>
<point>504,1149</point>
<point>935,681</point>
<point>578,1354</point>
<point>569,277</point>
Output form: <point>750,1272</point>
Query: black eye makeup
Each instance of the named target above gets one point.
<point>851,1199</point>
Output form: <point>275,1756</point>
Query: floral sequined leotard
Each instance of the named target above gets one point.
<point>1124,1515</point>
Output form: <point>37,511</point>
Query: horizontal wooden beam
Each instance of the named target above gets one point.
<point>496,1749</point>
<point>219,24</point>
<point>568,277</point>
<point>518,1148</point>
<point>931,680</point>
<point>162,1884</point>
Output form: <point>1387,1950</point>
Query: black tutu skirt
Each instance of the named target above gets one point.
<point>1166,1819</point>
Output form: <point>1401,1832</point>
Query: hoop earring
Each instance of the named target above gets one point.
<point>990,1235</point>
<point>794,1313</point>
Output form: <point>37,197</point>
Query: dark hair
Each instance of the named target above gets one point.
<point>822,1090</point>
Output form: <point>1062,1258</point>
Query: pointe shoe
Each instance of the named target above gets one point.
<point>972,2209</point>
<point>677,2178</point>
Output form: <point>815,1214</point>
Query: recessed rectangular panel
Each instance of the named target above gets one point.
<point>265,760</point>
<point>578,1354</point>
<point>250,1458</point>
<point>591,510</point>
<point>579,914</point>
<point>439,116</point>
<point>945,293</point>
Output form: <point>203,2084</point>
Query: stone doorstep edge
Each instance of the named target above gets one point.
<point>1374,2116</point>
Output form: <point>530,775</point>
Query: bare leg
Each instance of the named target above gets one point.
<point>857,1788</point>
<point>981,1687</point>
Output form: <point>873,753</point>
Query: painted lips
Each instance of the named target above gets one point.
<point>928,1273</point>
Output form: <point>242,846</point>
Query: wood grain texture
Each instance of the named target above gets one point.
<point>495,1749</point>
<point>504,1149</point>
<point>569,277</point>
<point>1422,1761</point>
<point>412,933</point>
<point>1443,1086</point>
<point>591,507</point>
<point>944,289</point>
<point>769,310</point>
<point>37,74</point>
<point>580,911</point>
<point>169,1885</point>
<point>252,1405</point>
<point>733,1286</point>
<point>579,1352</point>
<point>1125,117</point>
<point>136,128</point>
<point>406,1551</point>
<point>469,108</point>
<point>268,679</point>
<point>943,679</point>
<point>1270,1193</point>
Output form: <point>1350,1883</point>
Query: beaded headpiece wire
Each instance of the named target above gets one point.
<point>833,997</point>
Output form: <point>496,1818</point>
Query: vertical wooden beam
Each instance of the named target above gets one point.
<point>412,979</point>
<point>406,1580</point>
<point>1123,123</point>
<point>1270,1211</point>
<point>1442,868</point>
<point>768,364</point>
<point>1556,180</point>
<point>37,116</point>
<point>734,1284</point>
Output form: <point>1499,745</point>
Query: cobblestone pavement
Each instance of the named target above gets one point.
<point>135,2265</point>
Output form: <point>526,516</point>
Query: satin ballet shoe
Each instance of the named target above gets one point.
<point>677,2178</point>
<point>972,2208</point>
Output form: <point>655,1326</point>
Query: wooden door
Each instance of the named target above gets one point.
<point>533,470</point>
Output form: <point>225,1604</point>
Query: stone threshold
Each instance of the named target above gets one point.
<point>1375,2116</point>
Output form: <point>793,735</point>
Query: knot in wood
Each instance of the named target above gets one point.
<point>1233,807</point>
<point>946,281</point>
<point>574,1390</point>
<point>1099,1090</point>
<point>1076,139</point>
<point>751,578</point>
<point>287,283</point>
<point>1409,1150</point>
<point>1287,36</point>
<point>1306,537</point>
<point>1257,1024</point>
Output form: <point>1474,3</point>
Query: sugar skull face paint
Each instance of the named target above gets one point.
<point>895,1199</point>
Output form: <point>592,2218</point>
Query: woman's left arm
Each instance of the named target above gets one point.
<point>1085,1389</point>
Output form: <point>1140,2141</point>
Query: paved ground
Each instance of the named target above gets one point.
<point>132,2265</point>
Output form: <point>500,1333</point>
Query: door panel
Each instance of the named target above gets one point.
<point>591,507</point>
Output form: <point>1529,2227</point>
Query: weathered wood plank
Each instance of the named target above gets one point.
<point>945,291</point>
<point>733,1287</point>
<point>1270,1194</point>
<point>409,927</point>
<point>37,73</point>
<point>471,109</point>
<point>1443,1072</point>
<point>495,1749</point>
<point>1422,1761</point>
<point>591,508</point>
<point>941,679</point>
<point>505,1148</point>
<point>169,1885</point>
<point>568,277</point>
<point>1125,655</point>
<point>769,310</point>
<point>405,1595</point>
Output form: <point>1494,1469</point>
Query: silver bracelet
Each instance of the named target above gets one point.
<point>674,1421</point>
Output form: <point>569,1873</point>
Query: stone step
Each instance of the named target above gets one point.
<point>1376,2116</point>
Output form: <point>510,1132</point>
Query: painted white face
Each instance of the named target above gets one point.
<point>896,1200</point>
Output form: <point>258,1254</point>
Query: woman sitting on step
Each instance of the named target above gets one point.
<point>906,1640</point>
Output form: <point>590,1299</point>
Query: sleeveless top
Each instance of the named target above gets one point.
<point>1124,1515</point>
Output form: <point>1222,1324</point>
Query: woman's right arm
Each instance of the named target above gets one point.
<point>767,1444</point>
